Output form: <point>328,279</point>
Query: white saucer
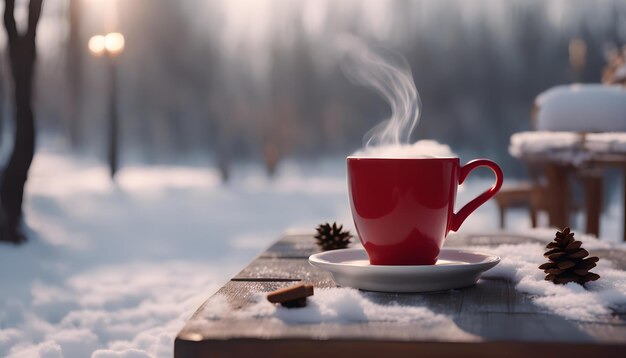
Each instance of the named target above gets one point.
<point>454,269</point>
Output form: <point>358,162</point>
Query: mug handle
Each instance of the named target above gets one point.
<point>461,215</point>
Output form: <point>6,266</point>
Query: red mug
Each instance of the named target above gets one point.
<point>403,209</point>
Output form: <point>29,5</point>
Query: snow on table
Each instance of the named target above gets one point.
<point>567,147</point>
<point>513,304</point>
<point>519,266</point>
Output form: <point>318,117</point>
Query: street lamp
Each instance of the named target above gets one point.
<point>110,46</point>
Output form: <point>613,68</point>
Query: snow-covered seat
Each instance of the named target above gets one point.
<point>582,108</point>
<point>559,113</point>
<point>569,121</point>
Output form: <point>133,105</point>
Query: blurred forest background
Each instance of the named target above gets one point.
<point>222,81</point>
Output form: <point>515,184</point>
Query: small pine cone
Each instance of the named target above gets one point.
<point>332,237</point>
<point>568,261</point>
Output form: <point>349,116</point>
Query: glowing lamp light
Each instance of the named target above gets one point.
<point>96,45</point>
<point>114,43</point>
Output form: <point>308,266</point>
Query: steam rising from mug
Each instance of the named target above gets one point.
<point>388,73</point>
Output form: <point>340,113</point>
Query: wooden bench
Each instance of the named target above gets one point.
<point>496,320</point>
<point>520,195</point>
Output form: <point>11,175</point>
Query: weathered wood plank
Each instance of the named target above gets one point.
<point>360,348</point>
<point>263,269</point>
<point>471,316</point>
<point>292,246</point>
<point>484,327</point>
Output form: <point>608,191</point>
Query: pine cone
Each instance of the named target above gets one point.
<point>567,260</point>
<point>332,237</point>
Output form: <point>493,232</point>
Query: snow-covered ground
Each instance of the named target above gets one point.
<point>115,270</point>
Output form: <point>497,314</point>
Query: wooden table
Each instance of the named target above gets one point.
<point>591,172</point>
<point>490,319</point>
<point>561,154</point>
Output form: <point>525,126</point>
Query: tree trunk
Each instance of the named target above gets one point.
<point>22,59</point>
<point>74,73</point>
<point>2,96</point>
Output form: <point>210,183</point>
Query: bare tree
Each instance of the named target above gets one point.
<point>22,60</point>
